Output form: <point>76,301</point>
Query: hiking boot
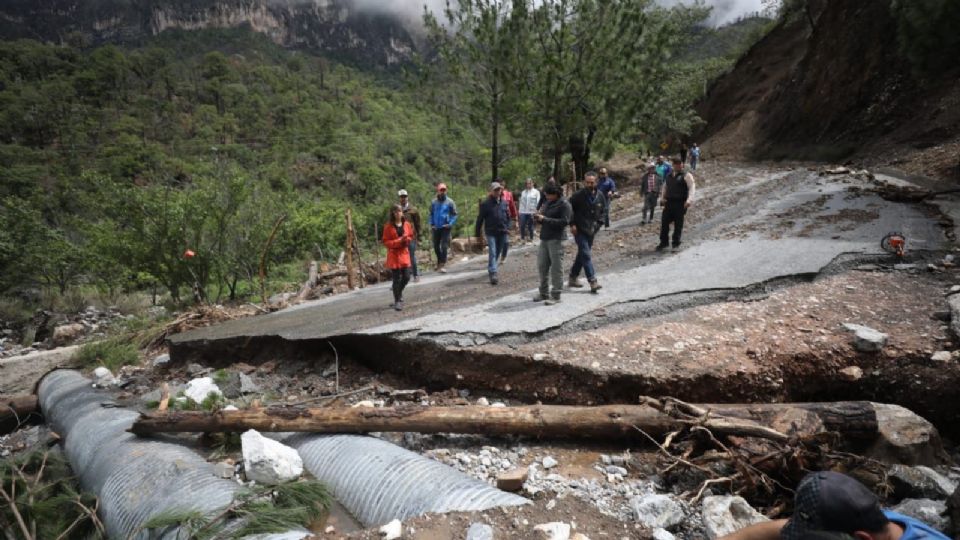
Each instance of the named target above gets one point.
<point>595,286</point>
<point>661,247</point>
<point>675,248</point>
<point>575,283</point>
<point>493,279</point>
<point>442,268</point>
<point>398,306</point>
<point>416,279</point>
<point>539,298</point>
<point>551,301</point>
<point>502,261</point>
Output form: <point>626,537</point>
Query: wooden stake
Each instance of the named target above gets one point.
<point>349,250</point>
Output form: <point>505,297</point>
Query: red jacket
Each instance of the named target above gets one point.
<point>511,206</point>
<point>398,252</point>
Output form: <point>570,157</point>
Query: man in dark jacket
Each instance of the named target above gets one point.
<point>589,207</point>
<point>675,198</point>
<point>494,219</point>
<point>553,219</point>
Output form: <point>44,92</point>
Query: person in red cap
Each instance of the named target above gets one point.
<point>831,502</point>
<point>443,216</point>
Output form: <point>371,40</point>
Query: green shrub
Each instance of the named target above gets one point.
<point>109,353</point>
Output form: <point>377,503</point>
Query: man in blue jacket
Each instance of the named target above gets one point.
<point>607,186</point>
<point>443,215</point>
<point>494,220</point>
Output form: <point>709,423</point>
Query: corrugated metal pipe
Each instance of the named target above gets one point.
<point>378,481</point>
<point>136,479</point>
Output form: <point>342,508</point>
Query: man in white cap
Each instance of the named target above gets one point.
<point>412,215</point>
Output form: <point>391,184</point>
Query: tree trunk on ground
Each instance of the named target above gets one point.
<point>16,411</point>
<point>854,419</point>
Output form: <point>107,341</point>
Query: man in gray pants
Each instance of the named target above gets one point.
<point>554,217</point>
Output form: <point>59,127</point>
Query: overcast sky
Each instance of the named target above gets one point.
<point>724,11</point>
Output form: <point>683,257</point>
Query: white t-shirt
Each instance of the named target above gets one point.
<point>529,200</point>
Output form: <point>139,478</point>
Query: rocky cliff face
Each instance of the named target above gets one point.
<point>329,26</point>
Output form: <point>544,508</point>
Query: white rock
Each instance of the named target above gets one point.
<point>483,402</point>
<point>161,360</point>
<point>364,403</point>
<point>555,530</point>
<point>230,408</point>
<point>663,534</point>
<point>942,356</point>
<point>548,462</point>
<point>268,462</point>
<point>480,531</point>
<point>852,373</point>
<point>539,356</point>
<point>102,376</point>
<point>199,389</point>
<point>657,511</point>
<point>866,339</point>
<point>247,386</point>
<point>391,530</point>
<point>725,514</point>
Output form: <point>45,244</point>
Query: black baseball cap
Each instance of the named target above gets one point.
<point>831,501</point>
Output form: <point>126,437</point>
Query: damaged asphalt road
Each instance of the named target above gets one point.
<point>750,226</point>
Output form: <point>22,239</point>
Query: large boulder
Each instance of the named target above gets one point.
<point>906,437</point>
<point>931,512</point>
<point>656,511</point>
<point>67,333</point>
<point>724,514</point>
<point>266,461</point>
<point>920,483</point>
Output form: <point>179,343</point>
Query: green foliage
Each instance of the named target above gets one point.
<point>113,162</point>
<point>110,353</point>
<point>261,510</point>
<point>927,33</point>
<point>47,497</point>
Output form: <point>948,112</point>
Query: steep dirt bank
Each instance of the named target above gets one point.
<point>839,90</point>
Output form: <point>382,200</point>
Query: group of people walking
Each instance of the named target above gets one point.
<point>585,213</point>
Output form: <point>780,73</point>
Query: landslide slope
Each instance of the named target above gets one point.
<point>836,89</point>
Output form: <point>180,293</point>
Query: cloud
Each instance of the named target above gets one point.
<point>724,11</point>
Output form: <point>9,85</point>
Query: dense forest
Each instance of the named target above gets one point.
<point>116,160</point>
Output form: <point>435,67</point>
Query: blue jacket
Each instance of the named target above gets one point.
<point>664,170</point>
<point>443,213</point>
<point>494,217</point>
<point>606,185</point>
<point>914,529</point>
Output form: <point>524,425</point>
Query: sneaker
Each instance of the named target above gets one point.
<point>442,269</point>
<point>575,283</point>
<point>502,262</point>
<point>493,279</point>
<point>539,298</point>
<point>661,247</point>
<point>551,301</point>
<point>675,249</point>
<point>416,279</point>
<point>595,286</point>
<point>398,306</point>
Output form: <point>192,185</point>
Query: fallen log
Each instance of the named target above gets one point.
<point>17,411</point>
<point>557,421</point>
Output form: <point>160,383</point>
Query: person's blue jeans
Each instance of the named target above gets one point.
<point>441,243</point>
<point>506,242</point>
<point>413,257</point>
<point>693,162</point>
<point>584,260</point>
<point>526,226</point>
<point>496,245</point>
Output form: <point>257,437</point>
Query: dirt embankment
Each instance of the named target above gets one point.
<point>834,91</point>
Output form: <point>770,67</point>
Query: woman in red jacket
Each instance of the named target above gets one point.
<point>397,235</point>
